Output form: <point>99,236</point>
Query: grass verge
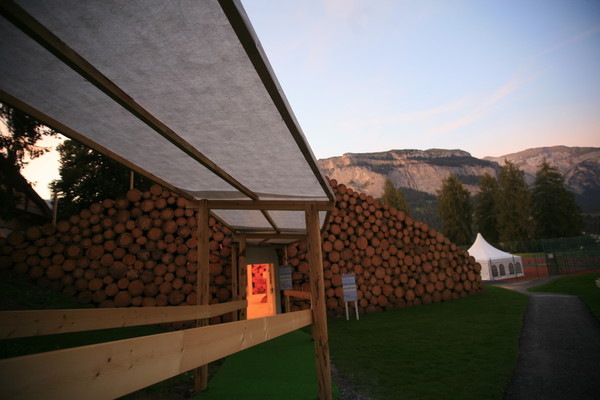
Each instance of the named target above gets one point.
<point>583,285</point>
<point>282,368</point>
<point>464,349</point>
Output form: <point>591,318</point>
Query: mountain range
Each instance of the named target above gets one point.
<point>420,172</point>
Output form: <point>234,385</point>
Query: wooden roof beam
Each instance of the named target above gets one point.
<point>73,134</point>
<point>271,205</point>
<point>240,24</point>
<point>38,32</point>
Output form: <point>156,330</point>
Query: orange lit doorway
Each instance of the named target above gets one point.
<point>260,290</point>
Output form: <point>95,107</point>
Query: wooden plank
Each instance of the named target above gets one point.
<point>297,293</point>
<point>242,265</point>
<point>242,27</point>
<point>110,370</point>
<point>268,236</point>
<point>235,273</point>
<point>131,179</point>
<point>280,205</point>
<point>54,208</point>
<point>14,324</point>
<point>81,138</point>
<point>267,216</point>
<point>317,291</point>
<point>286,298</point>
<point>202,284</point>
<point>31,27</point>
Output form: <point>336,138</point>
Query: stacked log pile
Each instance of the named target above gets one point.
<point>397,262</point>
<point>140,250</point>
<point>259,283</point>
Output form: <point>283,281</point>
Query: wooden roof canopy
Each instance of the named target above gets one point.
<point>179,91</point>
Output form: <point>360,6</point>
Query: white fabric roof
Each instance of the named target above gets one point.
<point>178,90</point>
<point>482,250</point>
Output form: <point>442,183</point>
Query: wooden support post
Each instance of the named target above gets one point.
<point>202,284</point>
<point>55,208</point>
<point>286,299</point>
<point>235,290</point>
<point>242,266</point>
<point>287,306</point>
<point>131,183</point>
<point>317,291</point>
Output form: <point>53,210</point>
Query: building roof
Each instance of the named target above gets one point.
<point>180,91</point>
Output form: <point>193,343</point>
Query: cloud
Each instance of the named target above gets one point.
<point>564,43</point>
<point>486,105</point>
<point>521,78</point>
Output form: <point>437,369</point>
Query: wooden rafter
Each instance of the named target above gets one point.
<point>251,45</point>
<point>31,27</point>
<point>267,216</point>
<point>280,205</point>
<point>271,236</point>
<point>73,134</point>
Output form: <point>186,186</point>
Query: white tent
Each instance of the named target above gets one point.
<point>495,264</point>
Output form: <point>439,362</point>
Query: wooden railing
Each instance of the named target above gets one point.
<point>14,324</point>
<point>113,369</point>
<point>294,293</point>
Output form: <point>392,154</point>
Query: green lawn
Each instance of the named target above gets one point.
<point>463,349</point>
<point>282,368</point>
<point>583,285</point>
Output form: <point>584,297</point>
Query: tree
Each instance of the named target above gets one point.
<point>454,207</point>
<point>553,207</point>
<point>87,176</point>
<point>485,208</point>
<point>394,197</point>
<point>513,215</point>
<point>16,146</point>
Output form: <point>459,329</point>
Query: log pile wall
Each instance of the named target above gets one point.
<point>142,250</point>
<point>397,262</point>
<point>137,251</point>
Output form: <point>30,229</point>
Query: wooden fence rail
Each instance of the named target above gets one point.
<point>293,293</point>
<point>297,293</point>
<point>110,370</point>
<point>14,324</point>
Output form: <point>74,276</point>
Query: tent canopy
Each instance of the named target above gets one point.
<point>495,263</point>
<point>180,91</point>
<point>482,250</point>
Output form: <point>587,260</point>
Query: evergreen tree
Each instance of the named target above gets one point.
<point>16,145</point>
<point>454,208</point>
<point>554,209</point>
<point>485,208</point>
<point>87,177</point>
<point>513,215</point>
<point>394,197</point>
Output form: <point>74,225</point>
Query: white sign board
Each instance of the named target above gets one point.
<point>349,285</point>
<point>285,277</point>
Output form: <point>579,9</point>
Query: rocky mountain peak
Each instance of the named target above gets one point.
<point>424,170</point>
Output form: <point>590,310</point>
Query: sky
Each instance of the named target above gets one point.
<point>485,76</point>
<point>491,77</point>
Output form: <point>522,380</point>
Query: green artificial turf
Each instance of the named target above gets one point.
<point>282,368</point>
<point>463,349</point>
<point>583,285</point>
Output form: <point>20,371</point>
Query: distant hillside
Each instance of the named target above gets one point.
<point>580,166</point>
<point>422,171</point>
<point>415,169</point>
